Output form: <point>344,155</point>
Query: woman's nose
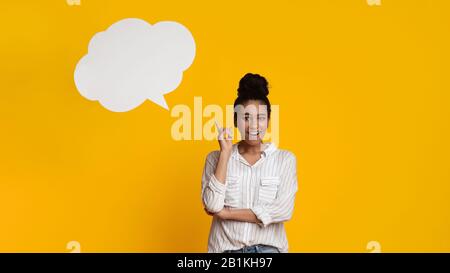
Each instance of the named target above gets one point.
<point>253,124</point>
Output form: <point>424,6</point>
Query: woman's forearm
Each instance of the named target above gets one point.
<point>221,169</point>
<point>243,215</point>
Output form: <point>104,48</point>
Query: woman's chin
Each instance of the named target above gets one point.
<point>252,142</point>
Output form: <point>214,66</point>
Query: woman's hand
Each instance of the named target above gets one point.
<point>226,145</point>
<point>225,138</point>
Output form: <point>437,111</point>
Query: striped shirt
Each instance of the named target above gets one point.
<point>267,187</point>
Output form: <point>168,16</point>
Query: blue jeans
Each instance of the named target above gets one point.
<point>255,249</point>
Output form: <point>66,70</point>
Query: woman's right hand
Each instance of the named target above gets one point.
<point>225,138</point>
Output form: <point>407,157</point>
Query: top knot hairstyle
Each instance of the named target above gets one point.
<point>252,87</point>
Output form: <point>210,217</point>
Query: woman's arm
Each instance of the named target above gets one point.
<point>242,215</point>
<point>225,142</point>
<point>215,172</point>
<point>221,169</point>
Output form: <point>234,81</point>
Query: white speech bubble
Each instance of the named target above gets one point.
<point>133,61</point>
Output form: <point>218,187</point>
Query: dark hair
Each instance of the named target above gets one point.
<point>252,87</point>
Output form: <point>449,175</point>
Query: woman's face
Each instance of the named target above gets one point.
<point>252,121</point>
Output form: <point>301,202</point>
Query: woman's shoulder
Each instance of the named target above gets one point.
<point>213,156</point>
<point>287,154</point>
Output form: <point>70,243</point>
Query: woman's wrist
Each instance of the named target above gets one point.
<point>225,153</point>
<point>224,214</point>
<point>221,169</point>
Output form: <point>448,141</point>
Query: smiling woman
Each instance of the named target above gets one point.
<point>249,188</point>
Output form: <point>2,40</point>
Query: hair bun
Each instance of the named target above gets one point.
<point>253,85</point>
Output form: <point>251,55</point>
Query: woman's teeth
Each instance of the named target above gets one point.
<point>253,133</point>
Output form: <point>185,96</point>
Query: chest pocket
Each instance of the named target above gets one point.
<point>233,193</point>
<point>268,189</point>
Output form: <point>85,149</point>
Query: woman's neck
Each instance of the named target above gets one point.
<point>244,148</point>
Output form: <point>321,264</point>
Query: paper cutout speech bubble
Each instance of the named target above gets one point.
<point>133,61</point>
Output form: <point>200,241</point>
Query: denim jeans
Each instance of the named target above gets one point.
<point>255,249</point>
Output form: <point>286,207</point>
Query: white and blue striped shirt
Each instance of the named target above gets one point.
<point>268,188</point>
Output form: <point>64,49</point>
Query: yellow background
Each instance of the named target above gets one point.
<point>364,104</point>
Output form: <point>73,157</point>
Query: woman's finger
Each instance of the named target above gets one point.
<point>221,133</point>
<point>219,129</point>
<point>217,125</point>
<point>229,133</point>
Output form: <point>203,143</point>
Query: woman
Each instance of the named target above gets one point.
<point>249,188</point>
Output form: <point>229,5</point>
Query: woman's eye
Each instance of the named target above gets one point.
<point>246,118</point>
<point>262,118</point>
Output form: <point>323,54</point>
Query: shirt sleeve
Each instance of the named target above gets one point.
<point>213,191</point>
<point>282,208</point>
